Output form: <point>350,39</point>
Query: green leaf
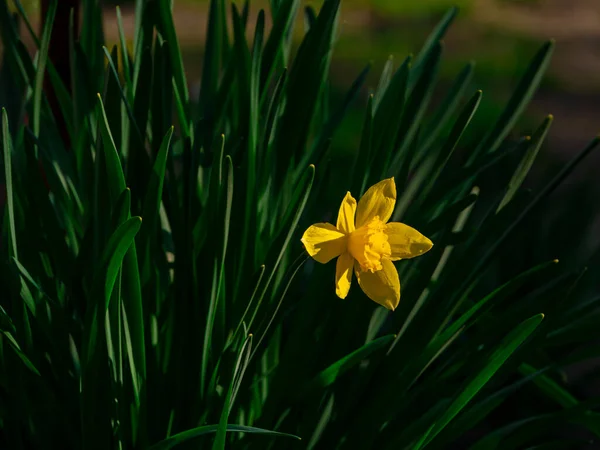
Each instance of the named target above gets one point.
<point>302,193</point>
<point>460,126</point>
<point>122,92</point>
<point>305,84</point>
<point>41,68</point>
<point>550,388</point>
<point>124,55</point>
<point>333,372</point>
<point>114,169</point>
<point>10,190</point>
<point>185,436</point>
<point>432,41</point>
<point>384,81</point>
<point>152,201</point>
<point>412,115</point>
<point>514,339</point>
<point>17,349</point>
<point>497,294</point>
<point>519,100</point>
<point>113,254</point>
<point>333,122</point>
<point>219,262</point>
<point>292,274</point>
<point>282,22</point>
<point>167,28</point>
<point>106,276</point>
<point>386,120</point>
<point>447,108</point>
<point>364,150</point>
<point>238,372</point>
<point>544,192</point>
<point>525,165</point>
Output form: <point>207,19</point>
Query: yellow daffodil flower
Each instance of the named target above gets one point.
<point>365,242</point>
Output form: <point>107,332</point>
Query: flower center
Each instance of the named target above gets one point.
<point>368,244</point>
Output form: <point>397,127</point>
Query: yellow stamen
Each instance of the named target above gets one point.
<point>369,243</point>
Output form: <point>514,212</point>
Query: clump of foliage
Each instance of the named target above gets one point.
<point>205,324</point>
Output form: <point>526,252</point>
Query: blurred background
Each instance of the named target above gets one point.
<point>499,35</point>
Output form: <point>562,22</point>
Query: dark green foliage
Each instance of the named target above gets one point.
<point>205,324</point>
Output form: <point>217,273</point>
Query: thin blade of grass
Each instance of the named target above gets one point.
<point>185,436</point>
<point>8,179</point>
<point>525,165</point>
<point>514,339</point>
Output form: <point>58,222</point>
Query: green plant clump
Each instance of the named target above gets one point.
<point>205,325</point>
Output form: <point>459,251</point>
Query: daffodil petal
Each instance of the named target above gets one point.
<point>382,286</point>
<point>405,241</point>
<point>343,274</point>
<point>324,242</point>
<point>379,200</point>
<point>345,220</point>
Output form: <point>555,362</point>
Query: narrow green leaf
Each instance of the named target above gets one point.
<point>114,168</point>
<point>364,151</point>
<point>282,22</point>
<point>448,216</point>
<point>525,165</point>
<point>387,117</point>
<point>115,251</point>
<point>238,372</point>
<point>447,107</point>
<point>292,273</point>
<point>333,372</point>
<point>185,436</point>
<point>384,82</point>
<point>544,192</point>
<point>219,265</point>
<point>17,349</point>
<point>319,146</point>
<point>10,189</point>
<point>516,105</point>
<point>549,387</point>
<point>168,28</point>
<point>305,188</point>
<point>152,202</point>
<point>122,92</point>
<point>514,339</point>
<point>501,292</point>
<point>412,115</point>
<point>41,68</point>
<point>106,275</point>
<point>434,38</point>
<point>272,114</point>
<point>124,55</point>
